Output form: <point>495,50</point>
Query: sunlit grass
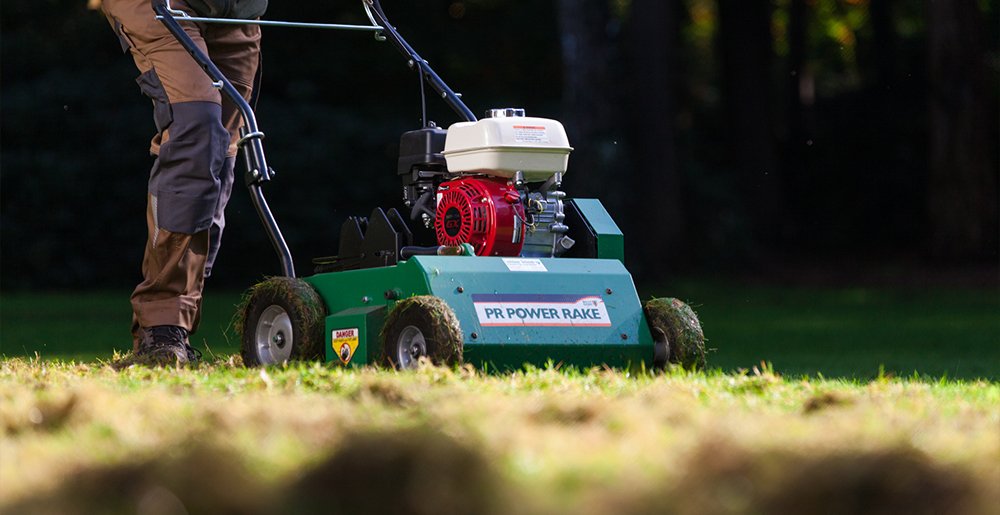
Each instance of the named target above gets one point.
<point>558,440</point>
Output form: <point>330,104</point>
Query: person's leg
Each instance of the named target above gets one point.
<point>235,50</point>
<point>184,185</point>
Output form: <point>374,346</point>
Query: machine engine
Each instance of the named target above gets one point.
<point>498,187</point>
<point>486,213</point>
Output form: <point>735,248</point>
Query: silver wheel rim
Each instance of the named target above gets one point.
<point>410,347</point>
<point>274,336</point>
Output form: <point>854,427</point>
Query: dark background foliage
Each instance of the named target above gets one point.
<point>740,135</point>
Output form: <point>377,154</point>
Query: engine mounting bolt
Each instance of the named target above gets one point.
<point>624,336</point>
<point>608,291</point>
<point>474,335</point>
<point>366,299</point>
<point>460,289</point>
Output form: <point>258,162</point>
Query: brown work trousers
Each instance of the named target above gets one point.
<point>195,149</point>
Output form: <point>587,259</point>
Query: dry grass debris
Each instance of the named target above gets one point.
<point>84,438</point>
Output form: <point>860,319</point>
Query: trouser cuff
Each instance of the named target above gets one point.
<point>179,311</point>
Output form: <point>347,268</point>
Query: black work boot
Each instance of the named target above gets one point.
<point>166,345</point>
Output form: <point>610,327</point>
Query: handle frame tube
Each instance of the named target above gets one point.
<point>452,99</point>
<point>251,143</point>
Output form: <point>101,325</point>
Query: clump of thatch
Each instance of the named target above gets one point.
<point>132,358</point>
<point>204,479</point>
<point>435,319</point>
<point>823,400</point>
<point>48,414</point>
<point>408,472</point>
<point>304,306</point>
<point>724,478</point>
<point>388,392</point>
<point>679,324</point>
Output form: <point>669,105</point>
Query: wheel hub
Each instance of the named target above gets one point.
<point>410,347</point>
<point>274,336</point>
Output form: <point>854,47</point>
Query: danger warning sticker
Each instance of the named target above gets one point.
<point>345,342</point>
<point>541,310</point>
<point>531,134</point>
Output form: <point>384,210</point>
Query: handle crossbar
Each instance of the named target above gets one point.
<point>180,15</point>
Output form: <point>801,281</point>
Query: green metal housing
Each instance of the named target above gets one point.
<point>511,311</point>
<point>610,241</point>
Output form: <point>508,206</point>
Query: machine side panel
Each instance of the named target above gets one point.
<point>511,311</point>
<point>352,336</point>
<point>514,311</point>
<point>610,241</point>
<point>371,292</point>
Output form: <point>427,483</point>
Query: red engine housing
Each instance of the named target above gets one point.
<point>484,212</point>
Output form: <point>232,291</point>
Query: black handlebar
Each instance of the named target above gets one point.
<point>415,61</point>
<point>251,141</point>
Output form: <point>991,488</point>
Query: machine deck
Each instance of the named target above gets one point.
<point>511,311</point>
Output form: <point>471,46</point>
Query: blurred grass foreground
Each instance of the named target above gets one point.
<point>867,401</point>
<point>308,438</point>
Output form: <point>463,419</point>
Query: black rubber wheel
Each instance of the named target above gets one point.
<point>281,319</point>
<point>422,326</point>
<point>677,333</point>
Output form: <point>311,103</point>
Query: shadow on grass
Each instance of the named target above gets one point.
<point>422,471</point>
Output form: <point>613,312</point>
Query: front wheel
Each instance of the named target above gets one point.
<point>677,333</point>
<point>282,320</point>
<point>421,327</point>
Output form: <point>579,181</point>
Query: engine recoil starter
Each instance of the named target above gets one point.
<point>485,212</point>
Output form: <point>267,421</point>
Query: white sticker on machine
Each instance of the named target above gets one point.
<point>524,265</point>
<point>344,343</point>
<point>536,310</point>
<point>531,134</point>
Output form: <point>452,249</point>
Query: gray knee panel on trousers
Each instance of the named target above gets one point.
<point>219,220</point>
<point>185,178</point>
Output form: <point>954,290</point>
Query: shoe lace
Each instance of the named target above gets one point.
<point>168,335</point>
<point>175,336</point>
<point>172,337</point>
<point>193,354</point>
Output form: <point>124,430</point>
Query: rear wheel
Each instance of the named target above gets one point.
<point>282,320</point>
<point>677,333</point>
<point>421,327</point>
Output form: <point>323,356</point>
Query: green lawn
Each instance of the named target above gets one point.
<point>834,332</point>
<point>852,332</point>
<point>80,438</point>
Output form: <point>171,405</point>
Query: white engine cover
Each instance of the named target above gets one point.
<point>537,147</point>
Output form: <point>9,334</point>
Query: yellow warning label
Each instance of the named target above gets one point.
<point>345,342</point>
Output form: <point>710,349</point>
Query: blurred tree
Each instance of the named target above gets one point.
<point>676,109</point>
<point>884,42</point>
<point>587,106</point>
<point>963,166</point>
<point>658,223</point>
<point>746,57</point>
<point>800,91</point>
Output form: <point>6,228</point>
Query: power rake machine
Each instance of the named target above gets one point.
<point>486,261</point>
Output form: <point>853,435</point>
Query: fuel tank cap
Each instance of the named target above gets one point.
<point>505,112</point>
